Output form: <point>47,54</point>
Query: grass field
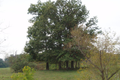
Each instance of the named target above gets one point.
<point>5,74</point>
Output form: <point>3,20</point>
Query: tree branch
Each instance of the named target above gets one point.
<point>113,74</point>
<point>90,60</point>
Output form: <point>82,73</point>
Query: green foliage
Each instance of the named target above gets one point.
<point>102,61</point>
<point>70,55</point>
<point>7,62</point>
<point>26,75</point>
<point>50,33</point>
<point>3,64</point>
<point>37,65</point>
<point>17,62</point>
<point>32,65</point>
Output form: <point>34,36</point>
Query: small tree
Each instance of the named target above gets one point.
<point>101,57</point>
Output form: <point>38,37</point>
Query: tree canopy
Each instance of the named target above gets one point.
<point>50,35</point>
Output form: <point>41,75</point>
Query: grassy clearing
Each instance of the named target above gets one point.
<point>5,74</point>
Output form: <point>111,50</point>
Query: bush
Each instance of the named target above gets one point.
<point>17,62</point>
<point>26,75</point>
<point>41,66</point>
<point>37,65</point>
<point>32,65</point>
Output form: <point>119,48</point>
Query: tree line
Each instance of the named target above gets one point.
<point>4,63</point>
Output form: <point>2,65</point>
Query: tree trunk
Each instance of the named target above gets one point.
<point>59,65</point>
<point>72,64</point>
<point>56,66</point>
<point>47,66</point>
<point>103,78</point>
<point>75,64</point>
<point>66,64</point>
<point>79,64</point>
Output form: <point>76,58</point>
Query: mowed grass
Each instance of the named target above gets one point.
<point>5,74</point>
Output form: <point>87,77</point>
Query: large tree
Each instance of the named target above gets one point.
<point>50,32</point>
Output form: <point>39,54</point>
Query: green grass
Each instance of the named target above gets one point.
<point>56,75</point>
<point>5,74</point>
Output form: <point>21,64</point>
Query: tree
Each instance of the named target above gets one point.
<point>107,60</point>
<point>3,64</point>
<point>101,58</point>
<point>50,33</point>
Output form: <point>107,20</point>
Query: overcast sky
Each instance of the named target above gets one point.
<point>13,14</point>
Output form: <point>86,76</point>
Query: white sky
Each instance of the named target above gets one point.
<point>13,14</point>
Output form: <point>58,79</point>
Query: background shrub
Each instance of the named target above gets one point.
<point>17,62</point>
<point>3,64</point>
<point>37,65</point>
<point>32,65</point>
